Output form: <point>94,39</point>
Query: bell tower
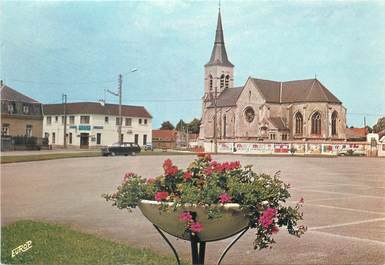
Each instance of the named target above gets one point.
<point>219,71</point>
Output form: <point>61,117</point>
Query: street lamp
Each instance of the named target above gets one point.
<point>119,94</point>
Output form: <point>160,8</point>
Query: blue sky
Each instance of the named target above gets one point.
<point>78,48</point>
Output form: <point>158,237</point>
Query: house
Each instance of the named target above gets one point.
<point>164,139</point>
<point>20,114</point>
<point>356,134</point>
<point>92,124</point>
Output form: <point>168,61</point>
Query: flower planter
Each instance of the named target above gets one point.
<point>231,222</point>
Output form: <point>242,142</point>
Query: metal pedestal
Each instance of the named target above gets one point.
<point>198,247</point>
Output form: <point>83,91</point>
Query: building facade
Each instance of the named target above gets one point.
<point>264,109</point>
<point>91,124</point>
<point>20,114</point>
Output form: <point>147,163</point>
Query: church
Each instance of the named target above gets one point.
<point>265,110</point>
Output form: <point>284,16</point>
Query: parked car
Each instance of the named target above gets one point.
<point>148,147</point>
<point>121,149</point>
<point>351,152</point>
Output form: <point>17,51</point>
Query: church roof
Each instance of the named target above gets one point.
<point>10,94</point>
<point>228,97</point>
<point>308,90</point>
<point>278,123</point>
<point>219,55</point>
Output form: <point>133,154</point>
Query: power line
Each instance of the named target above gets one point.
<point>62,83</point>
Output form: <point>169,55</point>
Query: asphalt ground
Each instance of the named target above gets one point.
<point>344,205</point>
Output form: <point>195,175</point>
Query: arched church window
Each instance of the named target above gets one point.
<point>227,81</point>
<point>334,123</point>
<point>211,82</point>
<point>224,126</point>
<point>222,84</point>
<point>298,123</point>
<point>249,114</point>
<point>316,123</point>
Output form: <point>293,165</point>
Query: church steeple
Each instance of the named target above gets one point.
<point>219,55</point>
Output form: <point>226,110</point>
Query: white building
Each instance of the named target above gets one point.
<point>91,124</point>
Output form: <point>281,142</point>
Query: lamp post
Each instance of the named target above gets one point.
<point>119,94</point>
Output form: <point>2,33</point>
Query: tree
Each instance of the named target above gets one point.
<point>181,126</point>
<point>379,126</point>
<point>194,126</point>
<point>167,125</point>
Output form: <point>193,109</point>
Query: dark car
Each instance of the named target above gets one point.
<point>123,149</point>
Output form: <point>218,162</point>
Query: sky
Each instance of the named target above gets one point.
<point>79,47</point>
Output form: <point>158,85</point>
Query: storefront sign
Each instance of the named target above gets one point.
<point>84,128</point>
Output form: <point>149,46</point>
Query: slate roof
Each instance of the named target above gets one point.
<point>308,90</point>
<point>278,123</point>
<point>96,108</point>
<point>219,54</point>
<point>228,97</point>
<point>10,94</point>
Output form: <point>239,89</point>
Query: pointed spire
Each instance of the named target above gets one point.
<point>219,55</point>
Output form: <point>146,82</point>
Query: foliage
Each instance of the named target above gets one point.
<point>194,126</point>
<point>379,126</point>
<point>211,184</point>
<point>181,125</point>
<point>58,244</point>
<point>167,125</point>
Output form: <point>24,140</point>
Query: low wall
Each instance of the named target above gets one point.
<point>298,148</point>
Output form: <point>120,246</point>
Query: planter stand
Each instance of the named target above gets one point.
<point>198,247</point>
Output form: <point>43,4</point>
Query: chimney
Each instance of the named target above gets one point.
<point>1,83</point>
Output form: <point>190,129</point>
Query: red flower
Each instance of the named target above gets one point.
<point>187,176</point>
<point>167,163</point>
<point>171,171</point>
<point>201,154</point>
<point>161,196</point>
<point>301,200</point>
<point>196,227</point>
<point>185,216</point>
<point>224,197</point>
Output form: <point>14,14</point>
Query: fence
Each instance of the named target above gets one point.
<point>11,143</point>
<point>298,148</point>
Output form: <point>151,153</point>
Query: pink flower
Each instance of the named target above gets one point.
<point>301,200</point>
<point>161,196</point>
<point>274,229</point>
<point>128,175</point>
<point>185,216</point>
<point>208,171</point>
<point>224,197</point>
<point>196,227</point>
<point>150,181</point>
<point>187,176</point>
<point>207,157</point>
<point>266,219</point>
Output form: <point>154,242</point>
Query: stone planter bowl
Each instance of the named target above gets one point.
<point>232,221</point>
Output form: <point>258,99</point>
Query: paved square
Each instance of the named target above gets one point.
<point>344,205</point>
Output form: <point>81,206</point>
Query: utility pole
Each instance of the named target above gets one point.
<point>120,109</point>
<point>215,121</point>
<point>119,94</point>
<point>64,100</point>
